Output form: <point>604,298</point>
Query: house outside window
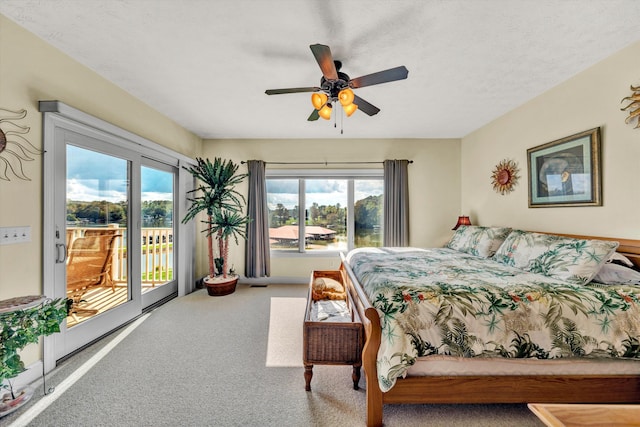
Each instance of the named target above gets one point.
<point>320,211</point>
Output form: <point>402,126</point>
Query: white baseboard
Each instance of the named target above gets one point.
<point>282,280</point>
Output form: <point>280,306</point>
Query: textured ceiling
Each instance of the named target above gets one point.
<point>206,64</point>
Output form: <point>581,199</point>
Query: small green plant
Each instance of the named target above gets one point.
<point>22,327</point>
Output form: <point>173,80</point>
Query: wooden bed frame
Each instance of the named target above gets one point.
<point>486,389</point>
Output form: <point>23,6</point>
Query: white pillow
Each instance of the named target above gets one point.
<point>619,257</point>
<point>613,274</point>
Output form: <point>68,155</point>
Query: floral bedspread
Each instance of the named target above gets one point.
<point>440,301</point>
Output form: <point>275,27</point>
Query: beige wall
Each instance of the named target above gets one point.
<point>30,71</point>
<point>434,182</point>
<point>588,100</point>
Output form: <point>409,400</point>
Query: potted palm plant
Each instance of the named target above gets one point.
<point>215,195</point>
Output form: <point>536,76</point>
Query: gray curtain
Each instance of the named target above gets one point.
<point>257,260</point>
<point>396,203</point>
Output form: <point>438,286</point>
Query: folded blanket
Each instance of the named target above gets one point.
<point>330,311</point>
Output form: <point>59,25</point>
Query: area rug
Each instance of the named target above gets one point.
<point>284,346</point>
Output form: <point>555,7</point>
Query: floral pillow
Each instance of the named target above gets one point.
<point>478,241</point>
<point>572,260</point>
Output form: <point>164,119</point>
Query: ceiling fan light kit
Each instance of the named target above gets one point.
<point>325,111</point>
<point>346,97</point>
<point>336,86</point>
<point>318,100</point>
<point>322,103</point>
<point>350,109</point>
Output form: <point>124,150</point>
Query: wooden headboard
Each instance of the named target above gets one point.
<point>628,247</point>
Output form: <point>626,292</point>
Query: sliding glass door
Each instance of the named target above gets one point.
<point>158,233</point>
<point>97,233</point>
<point>94,196</point>
<point>113,244</point>
<point>97,207</point>
<point>111,233</point>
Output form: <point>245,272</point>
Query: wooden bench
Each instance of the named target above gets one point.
<point>327,342</point>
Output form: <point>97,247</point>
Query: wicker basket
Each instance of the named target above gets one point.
<point>331,343</point>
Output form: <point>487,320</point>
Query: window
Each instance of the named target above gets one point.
<point>316,211</point>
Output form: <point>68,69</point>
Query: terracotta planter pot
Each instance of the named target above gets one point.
<point>219,286</point>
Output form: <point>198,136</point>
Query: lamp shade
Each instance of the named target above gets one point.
<point>350,109</point>
<point>318,100</point>
<point>346,97</point>
<point>462,220</point>
<point>325,112</point>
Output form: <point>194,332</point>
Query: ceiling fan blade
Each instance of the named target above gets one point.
<point>314,116</point>
<point>291,90</point>
<point>325,61</point>
<point>385,76</point>
<point>365,107</point>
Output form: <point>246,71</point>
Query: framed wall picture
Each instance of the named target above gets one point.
<point>566,172</point>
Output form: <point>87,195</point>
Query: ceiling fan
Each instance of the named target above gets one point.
<point>336,86</point>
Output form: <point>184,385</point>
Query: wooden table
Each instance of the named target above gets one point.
<point>584,415</point>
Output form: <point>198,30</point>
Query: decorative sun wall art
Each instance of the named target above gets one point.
<point>505,176</point>
<point>633,107</point>
<point>14,147</point>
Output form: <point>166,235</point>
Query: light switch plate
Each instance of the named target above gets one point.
<point>11,235</point>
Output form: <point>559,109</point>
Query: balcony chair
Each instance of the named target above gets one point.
<point>89,265</point>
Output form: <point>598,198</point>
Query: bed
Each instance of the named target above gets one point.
<point>449,358</point>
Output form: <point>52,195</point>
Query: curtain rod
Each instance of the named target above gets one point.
<point>323,163</point>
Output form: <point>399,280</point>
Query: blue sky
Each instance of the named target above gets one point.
<point>321,191</point>
<point>96,176</point>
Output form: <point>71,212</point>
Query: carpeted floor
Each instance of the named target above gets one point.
<point>205,361</point>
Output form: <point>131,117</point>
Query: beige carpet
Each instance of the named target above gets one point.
<point>284,345</point>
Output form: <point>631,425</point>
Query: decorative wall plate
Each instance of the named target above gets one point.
<point>505,176</point>
<point>633,106</point>
<point>14,147</point>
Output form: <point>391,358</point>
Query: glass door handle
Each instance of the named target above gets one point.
<point>64,253</point>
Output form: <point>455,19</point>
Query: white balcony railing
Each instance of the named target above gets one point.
<point>157,253</point>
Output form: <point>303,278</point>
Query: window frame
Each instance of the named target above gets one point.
<point>304,174</point>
